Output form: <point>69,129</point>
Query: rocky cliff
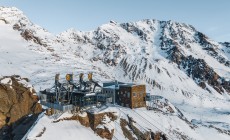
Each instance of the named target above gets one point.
<point>17,99</point>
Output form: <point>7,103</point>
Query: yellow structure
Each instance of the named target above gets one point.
<point>90,76</point>
<point>69,77</point>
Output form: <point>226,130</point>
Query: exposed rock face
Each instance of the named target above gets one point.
<point>3,20</point>
<point>106,127</point>
<point>132,132</point>
<point>2,120</point>
<point>211,48</point>
<point>126,132</point>
<point>105,133</point>
<point>161,104</point>
<point>29,35</point>
<point>101,123</point>
<point>198,70</point>
<point>17,99</point>
<point>158,136</point>
<point>84,120</point>
<point>95,119</point>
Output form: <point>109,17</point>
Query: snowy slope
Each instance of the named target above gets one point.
<point>68,129</point>
<point>173,59</point>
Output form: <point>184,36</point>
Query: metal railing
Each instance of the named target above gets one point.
<point>61,107</point>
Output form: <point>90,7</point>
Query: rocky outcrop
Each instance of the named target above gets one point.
<point>197,69</point>
<point>105,133</point>
<point>159,103</point>
<point>84,119</point>
<point>211,49</point>
<point>4,20</point>
<point>126,130</point>
<point>2,120</point>
<point>101,123</point>
<point>158,136</point>
<point>106,128</point>
<point>96,118</point>
<point>132,132</point>
<point>81,117</point>
<point>29,35</point>
<point>17,99</point>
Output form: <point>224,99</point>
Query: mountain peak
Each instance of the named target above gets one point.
<point>113,22</point>
<point>13,15</point>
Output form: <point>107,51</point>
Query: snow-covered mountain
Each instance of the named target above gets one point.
<point>173,59</point>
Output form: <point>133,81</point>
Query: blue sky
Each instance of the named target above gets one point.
<point>208,16</point>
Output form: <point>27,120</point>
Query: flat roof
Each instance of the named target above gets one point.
<point>131,85</point>
<point>111,87</point>
<point>122,85</point>
<point>115,81</point>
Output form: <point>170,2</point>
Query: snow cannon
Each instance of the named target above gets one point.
<point>57,76</point>
<point>81,77</point>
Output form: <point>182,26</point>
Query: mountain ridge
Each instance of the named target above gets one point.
<point>149,40</point>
